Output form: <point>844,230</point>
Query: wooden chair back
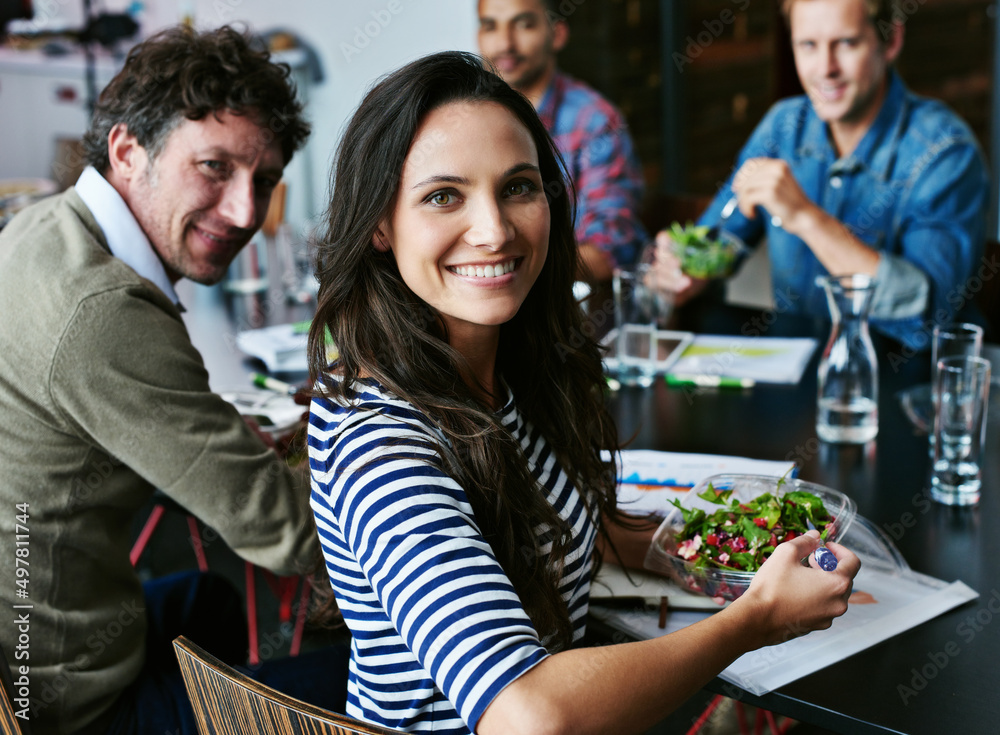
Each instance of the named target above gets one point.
<point>10,723</point>
<point>227,702</point>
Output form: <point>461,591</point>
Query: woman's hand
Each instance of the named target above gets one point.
<point>786,599</point>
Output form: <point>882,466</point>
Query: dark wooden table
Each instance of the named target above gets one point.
<point>938,678</point>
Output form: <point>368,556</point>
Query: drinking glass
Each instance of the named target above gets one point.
<point>247,273</point>
<point>640,310</point>
<point>957,339</point>
<point>961,396</point>
<point>295,261</point>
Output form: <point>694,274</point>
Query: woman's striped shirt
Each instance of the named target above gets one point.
<point>437,628</point>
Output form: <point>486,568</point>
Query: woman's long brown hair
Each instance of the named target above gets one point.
<point>546,356</point>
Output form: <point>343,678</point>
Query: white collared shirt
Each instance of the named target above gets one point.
<point>125,237</point>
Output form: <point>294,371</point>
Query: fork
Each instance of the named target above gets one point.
<point>823,556</point>
<point>726,213</point>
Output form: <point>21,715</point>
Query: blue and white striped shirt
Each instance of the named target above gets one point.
<point>438,630</point>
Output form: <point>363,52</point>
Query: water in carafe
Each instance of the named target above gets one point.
<point>847,401</point>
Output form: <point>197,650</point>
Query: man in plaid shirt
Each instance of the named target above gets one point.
<point>521,38</point>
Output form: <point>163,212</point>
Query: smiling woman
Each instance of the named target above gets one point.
<point>446,282</point>
<point>456,446</point>
<point>470,229</point>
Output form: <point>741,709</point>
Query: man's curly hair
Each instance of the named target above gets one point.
<point>181,74</point>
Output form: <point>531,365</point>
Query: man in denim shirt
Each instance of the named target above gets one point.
<point>858,176</point>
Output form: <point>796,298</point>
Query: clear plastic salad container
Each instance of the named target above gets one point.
<point>706,252</point>
<point>710,578</point>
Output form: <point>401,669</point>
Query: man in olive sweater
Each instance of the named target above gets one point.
<point>103,398</point>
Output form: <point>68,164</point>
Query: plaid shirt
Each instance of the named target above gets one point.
<point>593,138</point>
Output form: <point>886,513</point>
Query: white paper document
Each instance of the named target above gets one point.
<point>649,480</point>
<point>762,359</point>
<point>883,604</point>
<point>282,348</point>
<point>612,582</point>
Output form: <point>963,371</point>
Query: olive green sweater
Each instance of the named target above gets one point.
<point>102,399</point>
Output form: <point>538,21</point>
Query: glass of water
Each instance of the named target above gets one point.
<point>641,309</point>
<point>952,340</point>
<point>961,397</point>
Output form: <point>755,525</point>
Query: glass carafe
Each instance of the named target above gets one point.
<point>847,409</point>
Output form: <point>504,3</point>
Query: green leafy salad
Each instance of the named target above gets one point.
<point>741,536</point>
<point>702,256</point>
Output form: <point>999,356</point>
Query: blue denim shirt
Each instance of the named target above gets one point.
<point>916,189</point>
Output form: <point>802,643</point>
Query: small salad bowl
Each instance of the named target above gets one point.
<point>715,537</point>
<point>706,252</point>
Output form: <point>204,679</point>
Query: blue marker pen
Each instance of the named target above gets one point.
<point>823,556</point>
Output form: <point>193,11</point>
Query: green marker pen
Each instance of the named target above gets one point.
<point>709,381</point>
<point>268,383</point>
